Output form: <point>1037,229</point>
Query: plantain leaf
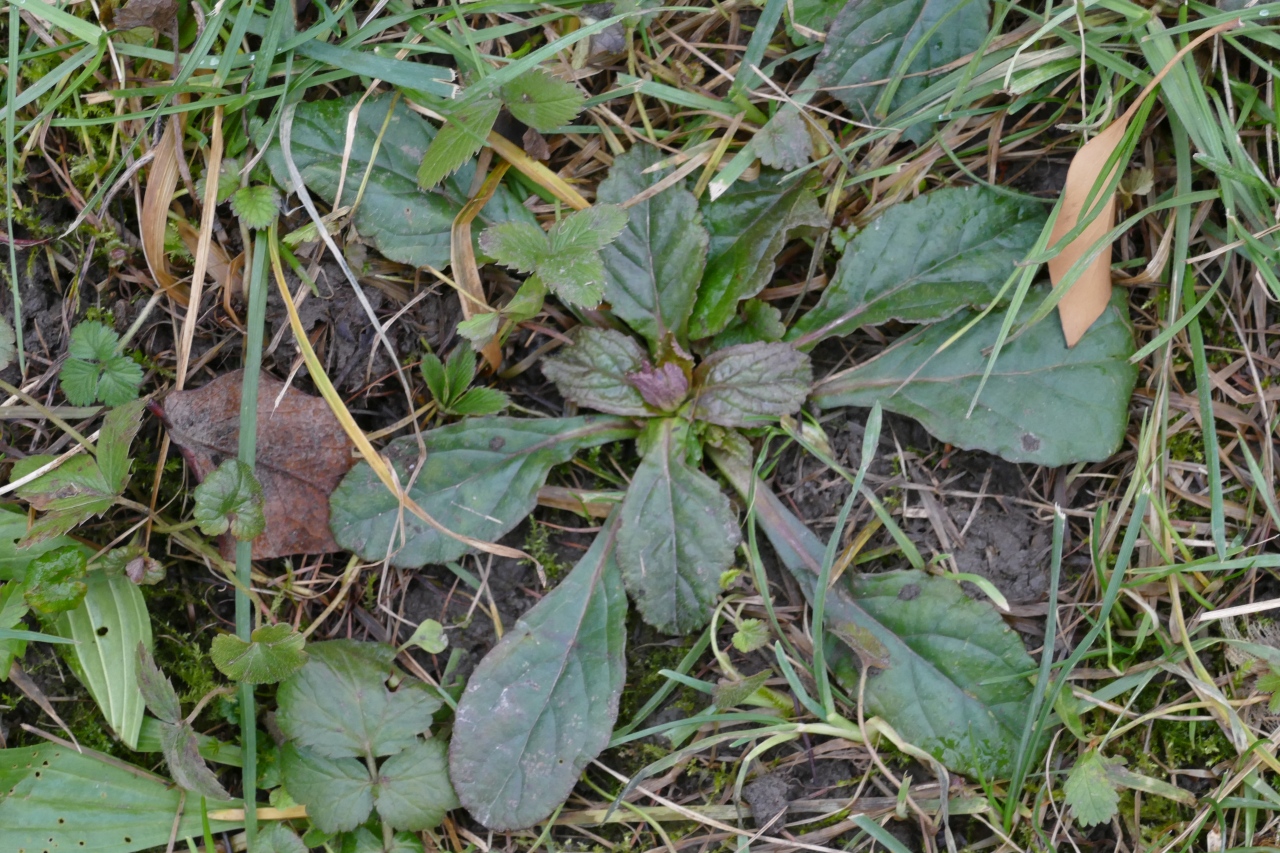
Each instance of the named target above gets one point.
<point>924,260</point>
<point>1043,403</point>
<point>542,703</point>
<point>480,478</point>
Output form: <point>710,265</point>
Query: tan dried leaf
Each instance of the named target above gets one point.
<point>157,14</point>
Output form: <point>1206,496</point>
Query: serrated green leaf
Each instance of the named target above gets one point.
<point>182,754</point>
<point>228,179</point>
<point>542,703</point>
<point>784,142</point>
<point>55,581</point>
<point>592,372</point>
<point>588,230</point>
<point>541,101</point>
<point>68,495</point>
<point>924,260</point>
<point>749,225</point>
<point>460,370</point>
<point>480,478</point>
<point>577,279</point>
<point>898,40</point>
<point>757,322</point>
<point>337,792</point>
<point>1268,682</point>
<point>434,375</point>
<point>121,377</point>
<point>407,225</point>
<point>230,498</point>
<point>256,206</point>
<point>815,14</point>
<point>653,268</point>
<point>362,840</point>
<point>278,838</point>
<point>677,533</point>
<point>413,790</point>
<point>1089,793</point>
<point>527,302</point>
<point>464,133</point>
<point>92,341</point>
<point>94,372</point>
<point>480,329</point>
<point>15,557</point>
<point>158,694</point>
<point>518,245</point>
<point>338,704</point>
<point>8,343</point>
<point>119,428</point>
<point>274,653</point>
<point>1043,403</point>
<point>79,381</point>
<point>566,260</point>
<point>738,386</point>
<point>106,628</point>
<point>430,637</point>
<point>58,799</point>
<point>480,401</point>
<point>731,694</point>
<point>752,634</point>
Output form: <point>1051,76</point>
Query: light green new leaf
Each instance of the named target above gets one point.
<point>677,532</point>
<point>652,270</point>
<point>464,133</point>
<point>55,581</point>
<point>413,789</point>
<point>478,402</point>
<point>1043,403</point>
<point>433,374</point>
<point>518,245</point>
<point>541,705</point>
<point>158,694</point>
<point>924,260</point>
<point>230,498</point>
<point>58,799</point>
<point>186,766</point>
<point>274,653</point>
<point>407,225</point>
<point>593,371</point>
<point>256,206</point>
<point>107,628</point>
<point>338,793</point>
<point>1089,792</point>
<point>430,637</point>
<point>567,259</point>
<point>94,372</point>
<point>480,478</point>
<point>878,40</point>
<point>338,704</point>
<point>541,101</point>
<point>749,225</point>
<point>741,385</point>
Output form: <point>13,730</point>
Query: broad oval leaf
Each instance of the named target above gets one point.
<point>749,226</point>
<point>924,260</point>
<point>593,371</point>
<point>738,385</point>
<point>652,270</point>
<point>955,683</point>
<point>1043,403</point>
<point>542,703</point>
<point>407,224</point>
<point>480,478</point>
<point>58,799</point>
<point>107,628</point>
<point>677,532</point>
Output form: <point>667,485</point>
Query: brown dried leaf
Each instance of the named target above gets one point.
<point>157,14</point>
<point>303,453</point>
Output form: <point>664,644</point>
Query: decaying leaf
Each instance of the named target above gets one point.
<point>157,14</point>
<point>302,454</point>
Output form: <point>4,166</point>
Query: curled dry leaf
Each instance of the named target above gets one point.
<point>302,454</point>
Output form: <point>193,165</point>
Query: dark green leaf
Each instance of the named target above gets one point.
<point>363,841</point>
<point>55,581</point>
<point>480,478</point>
<point>118,430</point>
<point>541,101</point>
<point>749,226</point>
<point>924,260</point>
<point>93,372</point>
<point>434,375</point>
<point>737,386</point>
<point>1043,403</point>
<point>460,370</point>
<point>14,557</point>
<point>677,534</point>
<point>230,498</point>
<point>875,40</point>
<point>593,371</point>
<point>652,270</point>
<point>338,792</point>
<point>278,838</point>
<point>464,133</point>
<point>816,14</point>
<point>58,799</point>
<point>274,653</point>
<point>406,224</point>
<point>784,142</point>
<point>182,754</point>
<point>480,401</point>
<point>228,179</point>
<point>157,692</point>
<point>257,206</point>
<point>1088,791</point>
<point>542,704</point>
<point>413,787</point>
<point>12,609</point>
<point>338,704</point>
<point>757,322</point>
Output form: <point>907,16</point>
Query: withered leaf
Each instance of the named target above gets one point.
<point>302,455</point>
<point>157,14</point>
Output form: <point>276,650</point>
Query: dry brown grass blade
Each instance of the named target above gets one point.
<point>1088,297</point>
<point>161,183</point>
<point>463,259</point>
<point>208,213</point>
<point>222,270</point>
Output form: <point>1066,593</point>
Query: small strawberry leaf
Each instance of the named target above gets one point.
<point>1269,682</point>
<point>480,401</point>
<point>459,370</point>
<point>784,142</point>
<point>541,101</point>
<point>278,838</point>
<point>257,206</point>
<point>1088,791</point>
<point>434,375</point>
<point>55,581</point>
<point>464,133</point>
<point>480,329</point>
<point>520,246</point>
<point>273,654</point>
<point>752,634</point>
<point>157,692</point>
<point>12,609</point>
<point>230,498</point>
<point>93,372</point>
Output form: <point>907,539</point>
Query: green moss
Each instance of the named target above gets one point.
<point>537,544</point>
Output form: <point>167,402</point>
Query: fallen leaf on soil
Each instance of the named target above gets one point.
<point>157,14</point>
<point>1090,294</point>
<point>302,454</point>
